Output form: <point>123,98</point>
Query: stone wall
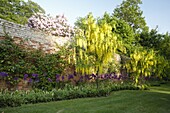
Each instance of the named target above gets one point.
<point>31,38</point>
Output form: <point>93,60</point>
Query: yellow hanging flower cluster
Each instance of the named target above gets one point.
<point>142,63</point>
<point>94,47</point>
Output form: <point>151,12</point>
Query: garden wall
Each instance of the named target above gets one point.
<point>31,38</point>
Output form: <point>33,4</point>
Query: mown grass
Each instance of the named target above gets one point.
<point>155,100</point>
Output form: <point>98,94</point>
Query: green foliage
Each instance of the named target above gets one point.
<point>79,23</point>
<point>18,11</point>
<point>10,99</point>
<point>130,12</point>
<point>151,39</point>
<point>164,46</point>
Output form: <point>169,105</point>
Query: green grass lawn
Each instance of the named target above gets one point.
<point>155,100</point>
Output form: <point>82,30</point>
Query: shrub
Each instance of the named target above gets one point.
<point>10,99</point>
<point>17,98</point>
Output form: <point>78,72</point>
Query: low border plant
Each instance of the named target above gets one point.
<point>17,98</point>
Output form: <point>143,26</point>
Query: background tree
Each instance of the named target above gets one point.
<point>151,39</point>
<point>18,11</point>
<point>154,40</point>
<point>123,31</point>
<point>164,47</point>
<point>130,12</point>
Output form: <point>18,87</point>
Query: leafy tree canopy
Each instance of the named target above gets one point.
<point>130,12</point>
<point>154,40</point>
<point>18,11</point>
<point>164,47</point>
<point>121,28</point>
<point>151,39</point>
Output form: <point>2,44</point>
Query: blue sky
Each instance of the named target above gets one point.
<point>156,12</point>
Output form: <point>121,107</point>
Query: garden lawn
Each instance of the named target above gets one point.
<point>155,100</point>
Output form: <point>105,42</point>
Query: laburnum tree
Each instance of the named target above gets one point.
<point>142,64</point>
<point>130,12</point>
<point>119,27</point>
<point>95,46</point>
<point>57,26</point>
<point>18,11</point>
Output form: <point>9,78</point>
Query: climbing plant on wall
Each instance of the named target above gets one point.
<point>57,26</point>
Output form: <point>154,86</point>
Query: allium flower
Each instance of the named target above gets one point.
<point>102,76</point>
<point>62,78</point>
<point>93,76</point>
<point>30,80</point>
<point>35,75</point>
<point>3,74</point>
<point>25,76</point>
<point>57,77</point>
<point>70,77</point>
<point>50,80</point>
<point>15,78</point>
<point>115,76</point>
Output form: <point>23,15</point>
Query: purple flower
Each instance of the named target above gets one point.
<point>106,76</point>
<point>102,76</point>
<point>16,78</point>
<point>93,75</point>
<point>30,80</point>
<point>62,78</point>
<point>3,74</point>
<point>35,75</point>
<point>110,76</point>
<point>70,77</point>
<point>119,77</point>
<point>115,76</point>
<point>57,77</point>
<point>25,76</point>
<point>49,79</point>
